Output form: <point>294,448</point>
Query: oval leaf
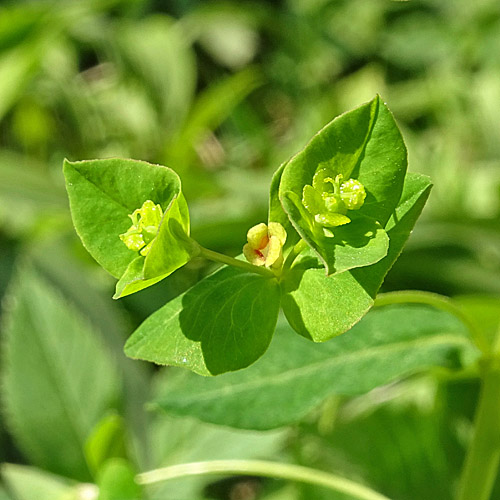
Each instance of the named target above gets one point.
<point>224,323</point>
<point>364,144</point>
<point>102,195</point>
<point>295,376</point>
<point>52,357</point>
<point>320,307</point>
<point>276,212</point>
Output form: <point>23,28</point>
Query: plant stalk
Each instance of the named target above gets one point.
<point>439,302</point>
<point>230,261</point>
<point>483,457</point>
<point>264,469</point>
<point>294,252</point>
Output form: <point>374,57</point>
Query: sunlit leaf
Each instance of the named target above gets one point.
<point>223,323</point>
<point>320,307</point>
<point>103,196</point>
<point>295,375</point>
<point>363,144</point>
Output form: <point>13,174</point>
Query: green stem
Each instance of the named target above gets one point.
<point>294,252</point>
<point>264,469</point>
<point>483,457</point>
<point>496,344</point>
<point>439,302</point>
<point>230,261</point>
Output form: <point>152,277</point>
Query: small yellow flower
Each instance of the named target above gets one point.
<point>328,199</point>
<point>145,223</point>
<point>265,245</point>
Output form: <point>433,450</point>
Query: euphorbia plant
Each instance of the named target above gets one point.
<point>340,212</point>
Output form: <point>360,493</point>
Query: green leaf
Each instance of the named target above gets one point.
<point>57,377</point>
<point>163,62</point>
<point>133,279</point>
<point>360,243</point>
<point>296,375</point>
<point>364,144</point>
<point>320,307</point>
<point>276,212</point>
<point>103,193</point>
<point>224,323</point>
<point>174,225</point>
<point>28,483</point>
<point>171,250</point>
<point>212,106</point>
<point>189,440</point>
<point>107,440</point>
<point>56,261</point>
<point>429,452</point>
<point>116,481</point>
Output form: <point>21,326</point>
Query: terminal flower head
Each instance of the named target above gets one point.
<point>329,199</point>
<point>265,245</point>
<point>145,223</point>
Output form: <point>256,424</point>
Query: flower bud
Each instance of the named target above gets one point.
<point>353,194</point>
<point>265,245</point>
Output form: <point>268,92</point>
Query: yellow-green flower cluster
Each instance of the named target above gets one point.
<point>145,223</point>
<point>328,199</point>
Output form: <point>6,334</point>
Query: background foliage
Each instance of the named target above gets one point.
<point>224,92</point>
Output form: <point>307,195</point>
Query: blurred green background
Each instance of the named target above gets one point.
<point>224,92</point>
